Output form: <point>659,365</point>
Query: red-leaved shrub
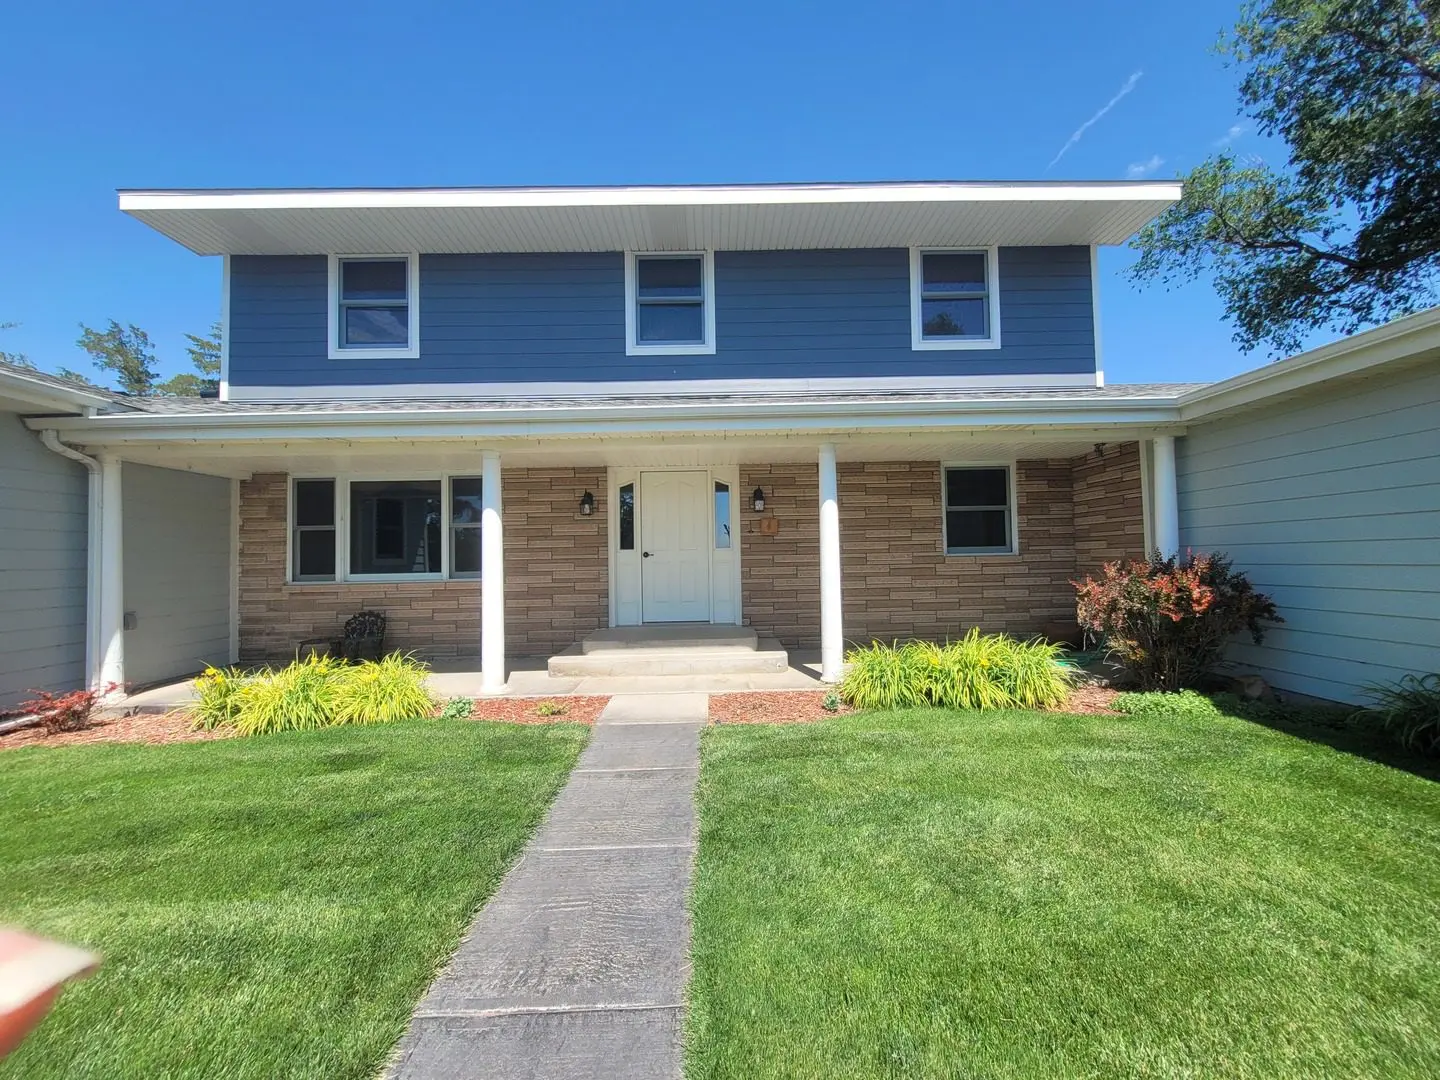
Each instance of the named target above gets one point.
<point>63,712</point>
<point>1167,620</point>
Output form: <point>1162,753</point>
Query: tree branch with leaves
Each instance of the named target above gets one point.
<point>1347,234</point>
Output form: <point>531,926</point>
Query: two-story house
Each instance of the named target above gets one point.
<point>510,418</point>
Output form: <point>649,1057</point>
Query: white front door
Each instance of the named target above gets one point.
<point>675,546</point>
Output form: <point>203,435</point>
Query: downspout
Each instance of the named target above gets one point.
<point>51,441</point>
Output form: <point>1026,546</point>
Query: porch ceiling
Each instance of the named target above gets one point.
<point>325,456</point>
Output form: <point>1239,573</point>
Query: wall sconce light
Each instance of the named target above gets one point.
<point>757,499</point>
<point>587,504</point>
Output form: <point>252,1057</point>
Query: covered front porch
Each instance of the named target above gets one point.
<point>501,556</point>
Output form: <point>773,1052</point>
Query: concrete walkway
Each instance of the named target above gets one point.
<point>577,966</point>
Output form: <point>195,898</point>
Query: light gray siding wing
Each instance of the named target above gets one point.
<point>177,571</point>
<point>43,536</point>
<point>1332,505</point>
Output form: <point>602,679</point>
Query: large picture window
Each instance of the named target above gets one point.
<point>346,529</point>
<point>979,511</point>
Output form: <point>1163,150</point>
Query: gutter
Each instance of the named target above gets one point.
<point>94,539</point>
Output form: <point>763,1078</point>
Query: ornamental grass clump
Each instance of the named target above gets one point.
<point>1167,620</point>
<point>381,692</point>
<point>217,692</point>
<point>298,697</point>
<point>1408,711</point>
<point>979,671</point>
<point>314,692</point>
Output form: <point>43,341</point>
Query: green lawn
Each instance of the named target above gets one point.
<point>1025,895</point>
<point>267,907</point>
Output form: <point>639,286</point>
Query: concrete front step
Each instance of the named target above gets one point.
<point>764,656</point>
<point>669,636</point>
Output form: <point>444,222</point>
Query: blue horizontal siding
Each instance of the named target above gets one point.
<point>561,318</point>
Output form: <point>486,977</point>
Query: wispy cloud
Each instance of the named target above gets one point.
<point>1235,131</point>
<point>1079,132</point>
<point>1138,170</point>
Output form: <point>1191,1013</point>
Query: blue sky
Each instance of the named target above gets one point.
<point>95,97</point>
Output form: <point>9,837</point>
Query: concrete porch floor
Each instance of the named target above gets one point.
<point>529,678</point>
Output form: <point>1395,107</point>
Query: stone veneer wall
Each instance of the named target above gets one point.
<point>1072,514</point>
<point>1109,507</point>
<point>897,581</point>
<point>555,578</point>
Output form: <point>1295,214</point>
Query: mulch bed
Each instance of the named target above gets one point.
<point>1091,701</point>
<point>578,710</point>
<point>771,707</point>
<point>157,729</point>
<point>805,706</point>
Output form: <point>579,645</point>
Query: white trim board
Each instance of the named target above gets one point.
<point>522,390</point>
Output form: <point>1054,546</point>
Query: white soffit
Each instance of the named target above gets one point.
<point>743,218</point>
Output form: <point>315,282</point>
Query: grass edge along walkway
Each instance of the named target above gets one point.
<point>1017,894</point>
<point>266,907</point>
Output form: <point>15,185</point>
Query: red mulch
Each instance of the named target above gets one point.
<point>578,710</point>
<point>155,729</point>
<point>1090,701</point>
<point>804,706</point>
<point>771,707</point>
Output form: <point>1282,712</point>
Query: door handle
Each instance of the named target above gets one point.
<point>646,554</point>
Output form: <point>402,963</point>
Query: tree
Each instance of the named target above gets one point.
<point>17,358</point>
<point>1347,235</point>
<point>205,355</point>
<point>125,351</point>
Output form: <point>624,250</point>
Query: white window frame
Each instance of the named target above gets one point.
<point>411,349</point>
<point>707,303</point>
<point>918,341</point>
<point>1013,515</point>
<point>343,574</point>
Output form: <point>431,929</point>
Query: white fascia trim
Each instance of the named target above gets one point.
<point>412,289</point>
<point>225,328</point>
<point>522,391</point>
<point>722,195</point>
<point>1394,342</point>
<point>707,304</point>
<point>1095,314</point>
<point>918,341</point>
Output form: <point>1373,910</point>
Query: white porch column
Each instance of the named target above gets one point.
<point>832,632</point>
<point>492,577</point>
<point>1166,500</point>
<point>110,633</point>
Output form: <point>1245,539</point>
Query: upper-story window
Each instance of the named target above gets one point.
<point>669,303</point>
<point>374,306</point>
<point>954,299</point>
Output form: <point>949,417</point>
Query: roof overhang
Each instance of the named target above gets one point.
<point>1408,342</point>
<point>25,391</point>
<point>725,218</point>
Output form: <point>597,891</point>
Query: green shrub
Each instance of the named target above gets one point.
<point>1168,620</point>
<point>980,671</point>
<point>831,702</point>
<point>1156,704</point>
<point>550,708</point>
<point>1408,711</point>
<point>457,708</point>
<point>216,697</point>
<point>381,692</point>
